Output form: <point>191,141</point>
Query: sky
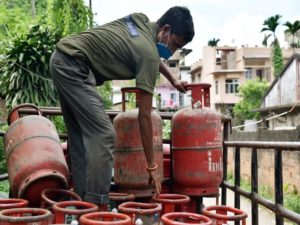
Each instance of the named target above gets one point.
<point>234,22</point>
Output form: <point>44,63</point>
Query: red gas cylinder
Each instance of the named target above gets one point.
<point>183,218</point>
<point>34,157</point>
<point>105,218</point>
<point>11,203</point>
<point>172,202</point>
<point>148,213</point>
<point>15,115</point>
<point>25,216</point>
<point>117,198</point>
<point>221,214</point>
<point>130,173</point>
<point>67,211</point>
<point>64,147</point>
<point>197,146</point>
<point>166,183</point>
<point>166,160</point>
<point>52,196</point>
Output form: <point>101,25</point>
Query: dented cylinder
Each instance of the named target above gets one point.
<point>35,159</point>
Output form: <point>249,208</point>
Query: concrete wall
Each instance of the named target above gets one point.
<point>290,159</point>
<point>286,89</point>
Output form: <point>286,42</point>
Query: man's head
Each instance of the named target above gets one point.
<point>178,24</point>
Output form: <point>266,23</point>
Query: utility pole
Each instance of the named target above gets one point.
<point>91,18</point>
<point>33,8</point>
<point>90,4</point>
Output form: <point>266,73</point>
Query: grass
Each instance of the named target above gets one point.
<point>4,186</point>
<point>291,197</point>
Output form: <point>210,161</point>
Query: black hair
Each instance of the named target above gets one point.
<point>180,20</point>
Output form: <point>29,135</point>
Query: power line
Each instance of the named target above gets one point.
<point>269,118</point>
<point>35,74</point>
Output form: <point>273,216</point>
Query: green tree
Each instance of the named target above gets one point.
<point>16,16</point>
<point>25,71</point>
<point>265,40</point>
<point>277,58</point>
<point>69,16</point>
<point>213,42</point>
<point>251,92</point>
<point>270,25</point>
<point>293,28</point>
<point>105,92</point>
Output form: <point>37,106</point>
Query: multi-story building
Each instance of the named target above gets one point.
<point>168,98</point>
<point>226,68</point>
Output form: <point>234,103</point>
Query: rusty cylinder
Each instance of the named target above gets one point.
<point>65,212</point>
<point>184,218</point>
<point>221,214</point>
<point>52,196</point>
<point>105,218</point>
<point>25,216</point>
<point>34,157</point>
<point>130,173</point>
<point>10,203</point>
<point>197,146</point>
<point>148,213</point>
<point>172,202</point>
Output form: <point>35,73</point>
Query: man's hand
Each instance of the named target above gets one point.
<point>154,178</point>
<point>180,85</point>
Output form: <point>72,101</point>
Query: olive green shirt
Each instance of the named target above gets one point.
<point>116,51</point>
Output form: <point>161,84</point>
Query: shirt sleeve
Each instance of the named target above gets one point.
<point>146,74</point>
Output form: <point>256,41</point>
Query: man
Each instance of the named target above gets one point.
<point>128,48</point>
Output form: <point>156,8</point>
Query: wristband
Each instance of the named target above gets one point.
<point>152,168</point>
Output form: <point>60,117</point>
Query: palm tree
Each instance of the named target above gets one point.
<point>213,42</point>
<point>293,28</point>
<point>271,23</point>
<point>265,41</point>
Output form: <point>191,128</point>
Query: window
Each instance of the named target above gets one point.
<point>259,74</point>
<point>217,87</point>
<point>173,97</point>
<point>172,64</point>
<point>231,86</point>
<point>248,74</point>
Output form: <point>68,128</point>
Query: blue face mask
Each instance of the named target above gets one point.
<point>163,50</point>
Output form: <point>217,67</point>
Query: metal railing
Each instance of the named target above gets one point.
<point>276,207</point>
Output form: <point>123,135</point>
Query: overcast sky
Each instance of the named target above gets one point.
<point>234,22</point>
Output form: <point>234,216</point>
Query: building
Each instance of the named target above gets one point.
<point>280,106</point>
<point>226,68</point>
<point>168,98</point>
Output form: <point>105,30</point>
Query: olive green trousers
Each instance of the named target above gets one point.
<point>90,132</point>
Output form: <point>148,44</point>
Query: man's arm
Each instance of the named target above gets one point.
<point>178,84</point>
<point>146,130</point>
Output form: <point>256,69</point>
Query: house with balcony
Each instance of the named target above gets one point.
<point>226,68</point>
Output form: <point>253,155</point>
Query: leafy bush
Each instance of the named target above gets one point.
<point>68,17</point>
<point>166,129</point>
<point>3,167</point>
<point>4,186</point>
<point>25,71</point>
<point>105,92</point>
<point>251,92</point>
